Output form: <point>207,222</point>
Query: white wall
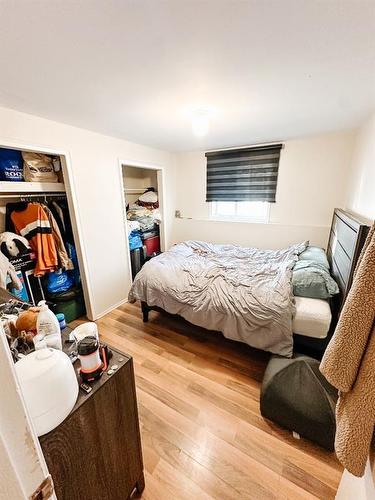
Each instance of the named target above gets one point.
<point>361,191</point>
<point>96,176</point>
<point>313,177</point>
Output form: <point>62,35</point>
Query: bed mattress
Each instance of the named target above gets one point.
<point>312,317</point>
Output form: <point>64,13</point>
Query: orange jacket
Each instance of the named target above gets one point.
<point>34,225</point>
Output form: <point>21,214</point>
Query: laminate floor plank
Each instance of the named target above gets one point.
<point>203,436</point>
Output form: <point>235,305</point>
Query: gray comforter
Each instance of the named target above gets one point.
<point>245,293</point>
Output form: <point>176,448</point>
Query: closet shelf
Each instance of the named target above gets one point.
<point>135,191</point>
<point>31,187</point>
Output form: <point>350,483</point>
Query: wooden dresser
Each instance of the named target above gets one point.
<point>95,453</point>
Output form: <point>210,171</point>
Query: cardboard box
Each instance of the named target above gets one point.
<point>32,290</point>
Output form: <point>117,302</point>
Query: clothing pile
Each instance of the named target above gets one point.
<point>146,217</point>
<point>145,210</point>
<point>143,219</point>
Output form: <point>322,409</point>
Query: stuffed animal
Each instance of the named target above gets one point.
<point>26,321</point>
<point>22,329</point>
<point>13,245</point>
<point>7,269</point>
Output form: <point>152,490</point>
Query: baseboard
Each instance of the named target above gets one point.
<point>115,306</point>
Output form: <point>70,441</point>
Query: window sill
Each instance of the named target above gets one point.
<point>238,219</point>
<point>216,218</point>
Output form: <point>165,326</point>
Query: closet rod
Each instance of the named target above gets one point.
<point>34,195</point>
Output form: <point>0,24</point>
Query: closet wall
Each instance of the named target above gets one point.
<point>136,180</point>
<point>94,163</point>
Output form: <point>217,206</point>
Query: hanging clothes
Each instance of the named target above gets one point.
<point>60,210</point>
<point>58,215</point>
<point>32,222</point>
<point>349,365</point>
<point>64,259</point>
<point>9,209</point>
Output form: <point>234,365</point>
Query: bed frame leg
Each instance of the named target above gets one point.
<point>145,311</point>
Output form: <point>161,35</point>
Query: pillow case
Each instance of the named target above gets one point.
<point>316,255</point>
<point>313,280</point>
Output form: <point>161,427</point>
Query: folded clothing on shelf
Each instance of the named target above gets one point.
<point>133,225</point>
<point>144,216</point>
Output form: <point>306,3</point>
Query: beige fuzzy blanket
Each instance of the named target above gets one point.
<point>349,365</point>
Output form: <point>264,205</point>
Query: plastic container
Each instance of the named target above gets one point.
<point>49,386</point>
<point>47,325</point>
<point>39,342</point>
<point>61,319</point>
<point>88,329</point>
<point>152,245</point>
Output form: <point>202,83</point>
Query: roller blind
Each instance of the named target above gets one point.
<point>246,174</point>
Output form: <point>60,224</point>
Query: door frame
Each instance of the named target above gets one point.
<point>71,194</point>
<point>161,197</point>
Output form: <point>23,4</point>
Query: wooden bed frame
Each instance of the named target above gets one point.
<point>347,235</point>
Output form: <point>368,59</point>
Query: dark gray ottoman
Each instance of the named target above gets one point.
<point>295,395</point>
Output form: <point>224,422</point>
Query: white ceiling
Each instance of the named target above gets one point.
<point>271,69</point>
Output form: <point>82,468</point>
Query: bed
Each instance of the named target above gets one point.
<point>246,293</point>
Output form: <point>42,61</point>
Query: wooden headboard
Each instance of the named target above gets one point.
<point>347,236</point>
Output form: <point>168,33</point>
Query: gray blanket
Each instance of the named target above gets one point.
<point>245,293</point>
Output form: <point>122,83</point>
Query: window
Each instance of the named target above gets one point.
<point>249,211</point>
<point>243,175</point>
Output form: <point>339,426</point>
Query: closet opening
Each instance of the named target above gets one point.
<point>40,249</point>
<point>143,213</point>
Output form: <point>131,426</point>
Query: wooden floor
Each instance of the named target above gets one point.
<point>202,433</point>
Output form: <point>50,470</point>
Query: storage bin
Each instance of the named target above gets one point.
<point>150,233</point>
<point>70,303</point>
<point>152,245</point>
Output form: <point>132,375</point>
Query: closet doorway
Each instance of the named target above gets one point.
<point>142,187</point>
<point>37,195</point>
